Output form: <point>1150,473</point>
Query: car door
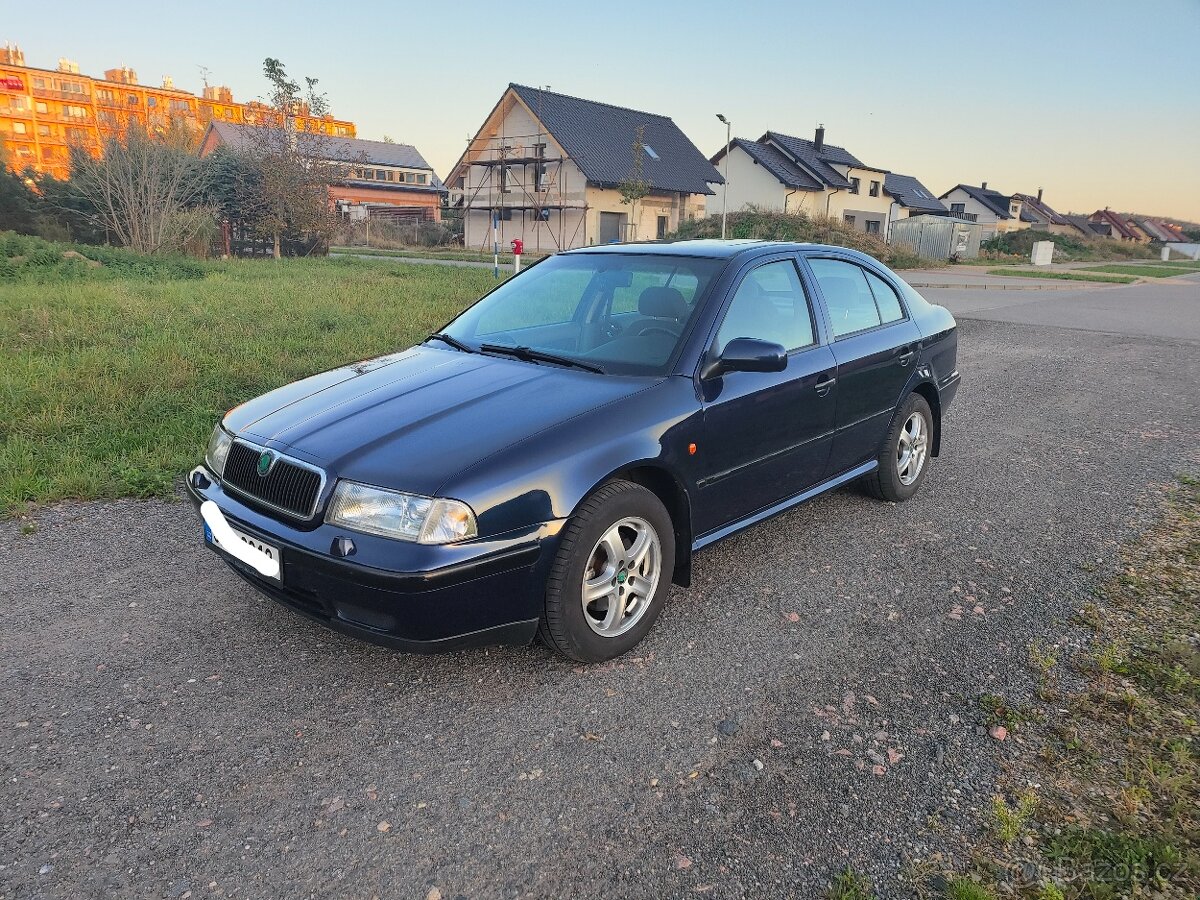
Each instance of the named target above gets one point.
<point>766,434</point>
<point>876,345</point>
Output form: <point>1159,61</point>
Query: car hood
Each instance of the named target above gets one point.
<point>412,420</point>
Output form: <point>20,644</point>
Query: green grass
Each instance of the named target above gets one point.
<point>1179,263</point>
<point>1141,271</point>
<point>435,253</point>
<point>111,384</point>
<point>1062,276</point>
<point>850,885</point>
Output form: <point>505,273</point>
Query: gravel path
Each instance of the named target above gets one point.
<point>811,701</point>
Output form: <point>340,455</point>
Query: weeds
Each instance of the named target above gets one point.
<point>851,885</point>
<point>1009,822</point>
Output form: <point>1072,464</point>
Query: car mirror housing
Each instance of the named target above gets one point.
<point>746,355</point>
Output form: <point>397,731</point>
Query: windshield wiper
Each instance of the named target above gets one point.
<point>530,355</point>
<point>449,339</point>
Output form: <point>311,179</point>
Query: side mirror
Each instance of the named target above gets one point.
<point>746,355</point>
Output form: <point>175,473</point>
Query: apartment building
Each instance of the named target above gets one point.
<point>43,112</point>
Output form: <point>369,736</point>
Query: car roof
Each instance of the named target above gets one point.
<point>713,249</point>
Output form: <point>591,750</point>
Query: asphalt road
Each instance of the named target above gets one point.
<point>811,702</point>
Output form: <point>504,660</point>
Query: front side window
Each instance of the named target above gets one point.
<point>872,226</point>
<point>874,188</point>
<point>957,209</point>
<point>854,183</point>
<point>769,305</point>
<point>623,313</point>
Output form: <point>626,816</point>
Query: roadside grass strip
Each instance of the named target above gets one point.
<point>1103,800</point>
<point>1063,276</point>
<point>1160,270</point>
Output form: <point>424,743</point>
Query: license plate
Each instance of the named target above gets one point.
<point>269,549</point>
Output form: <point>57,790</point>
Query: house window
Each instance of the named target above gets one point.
<point>18,127</point>
<point>131,99</point>
<point>957,209</point>
<point>874,188</point>
<point>849,219</point>
<point>75,112</point>
<point>39,83</point>
<point>44,130</point>
<point>854,182</point>
<point>1013,209</point>
<point>663,222</point>
<point>421,178</point>
<point>152,101</point>
<point>42,108</point>
<point>872,226</point>
<point>104,94</point>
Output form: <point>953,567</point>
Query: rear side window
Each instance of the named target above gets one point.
<point>890,309</point>
<point>847,295</point>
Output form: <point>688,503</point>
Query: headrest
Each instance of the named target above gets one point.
<point>663,303</point>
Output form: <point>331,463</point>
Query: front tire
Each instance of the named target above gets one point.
<point>611,576</point>
<point>904,459</point>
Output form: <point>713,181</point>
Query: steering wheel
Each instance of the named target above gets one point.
<point>653,327</point>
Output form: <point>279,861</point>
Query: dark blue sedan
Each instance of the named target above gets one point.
<point>549,462</point>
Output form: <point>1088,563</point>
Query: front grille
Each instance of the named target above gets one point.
<point>288,487</point>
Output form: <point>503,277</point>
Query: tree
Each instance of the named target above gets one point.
<point>635,186</point>
<point>287,169</point>
<point>143,187</point>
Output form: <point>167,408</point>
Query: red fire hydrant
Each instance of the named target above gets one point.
<point>518,247</point>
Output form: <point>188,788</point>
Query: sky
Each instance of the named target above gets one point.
<point>1095,101</point>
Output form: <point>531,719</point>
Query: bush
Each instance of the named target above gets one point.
<point>774,226</point>
<point>1067,247</point>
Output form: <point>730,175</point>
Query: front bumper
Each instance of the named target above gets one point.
<point>416,598</point>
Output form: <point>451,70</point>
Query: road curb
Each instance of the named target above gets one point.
<point>1013,287</point>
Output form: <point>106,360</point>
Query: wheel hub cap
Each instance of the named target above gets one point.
<point>912,448</point>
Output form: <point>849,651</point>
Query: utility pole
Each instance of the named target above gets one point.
<point>725,174</point>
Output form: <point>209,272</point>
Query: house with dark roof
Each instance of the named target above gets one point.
<point>393,179</point>
<point>1043,216</point>
<point>790,174</point>
<point>1119,227</point>
<point>995,211</point>
<point>561,172</point>
<point>911,198</point>
<point>1081,225</point>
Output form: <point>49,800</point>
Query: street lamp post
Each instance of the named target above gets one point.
<point>725,174</point>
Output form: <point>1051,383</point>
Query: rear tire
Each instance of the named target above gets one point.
<point>618,548</point>
<point>904,459</point>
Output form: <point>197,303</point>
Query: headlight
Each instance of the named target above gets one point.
<point>218,450</point>
<point>408,517</point>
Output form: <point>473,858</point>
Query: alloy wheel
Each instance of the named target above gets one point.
<point>912,449</point>
<point>621,576</point>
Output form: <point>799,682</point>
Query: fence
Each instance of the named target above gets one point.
<point>937,237</point>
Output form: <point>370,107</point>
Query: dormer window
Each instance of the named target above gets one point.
<point>1014,208</point>
<point>874,188</point>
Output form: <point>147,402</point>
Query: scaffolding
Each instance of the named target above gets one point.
<point>506,176</point>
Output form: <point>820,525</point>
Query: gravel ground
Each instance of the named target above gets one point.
<point>811,701</point>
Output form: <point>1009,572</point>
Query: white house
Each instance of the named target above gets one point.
<point>791,174</point>
<point>996,212</point>
<point>549,169</point>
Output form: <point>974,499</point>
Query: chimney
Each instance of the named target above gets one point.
<point>1039,195</point>
<point>983,186</point>
<point>819,140</point>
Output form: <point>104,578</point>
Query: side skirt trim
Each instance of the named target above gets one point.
<point>761,515</point>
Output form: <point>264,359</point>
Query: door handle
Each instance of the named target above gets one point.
<point>824,385</point>
<point>906,357</point>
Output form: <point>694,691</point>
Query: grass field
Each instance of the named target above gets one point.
<point>1064,276</point>
<point>111,385</point>
<point>1141,271</point>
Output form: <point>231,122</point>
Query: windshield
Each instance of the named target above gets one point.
<point>620,313</point>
